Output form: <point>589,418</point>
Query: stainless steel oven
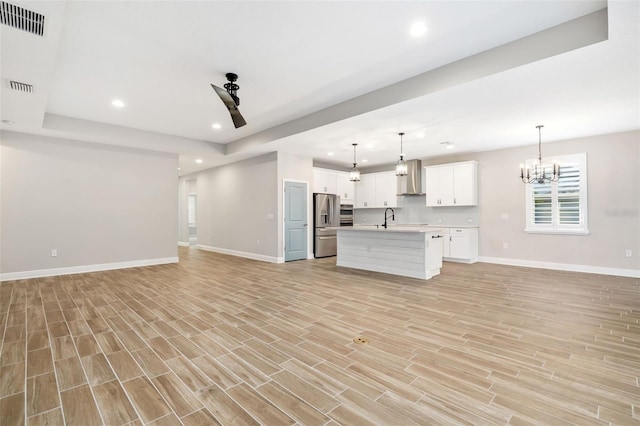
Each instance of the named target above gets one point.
<point>346,214</point>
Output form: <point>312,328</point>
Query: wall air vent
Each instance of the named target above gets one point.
<point>21,18</point>
<point>20,87</point>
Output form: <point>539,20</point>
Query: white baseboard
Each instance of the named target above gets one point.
<point>183,244</point>
<point>632,273</point>
<point>9,276</point>
<point>254,256</point>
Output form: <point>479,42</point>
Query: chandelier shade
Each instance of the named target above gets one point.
<point>401,165</point>
<point>537,173</point>
<point>354,173</point>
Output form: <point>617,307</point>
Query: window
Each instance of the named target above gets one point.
<point>559,207</point>
<point>191,209</point>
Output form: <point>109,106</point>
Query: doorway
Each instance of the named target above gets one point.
<point>192,208</point>
<point>295,221</point>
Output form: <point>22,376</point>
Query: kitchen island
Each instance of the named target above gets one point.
<point>408,251</point>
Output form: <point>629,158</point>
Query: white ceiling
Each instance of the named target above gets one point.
<point>316,77</point>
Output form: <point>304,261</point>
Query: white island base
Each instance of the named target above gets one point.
<point>410,252</point>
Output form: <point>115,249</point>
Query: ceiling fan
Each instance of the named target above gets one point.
<point>230,99</point>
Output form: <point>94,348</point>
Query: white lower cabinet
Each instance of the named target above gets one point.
<point>460,244</point>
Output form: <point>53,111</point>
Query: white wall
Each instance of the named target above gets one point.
<point>99,206</point>
<point>613,207</point>
<point>237,207</point>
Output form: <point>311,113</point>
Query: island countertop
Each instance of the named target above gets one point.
<point>391,228</point>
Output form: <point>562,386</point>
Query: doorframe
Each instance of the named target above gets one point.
<point>309,217</point>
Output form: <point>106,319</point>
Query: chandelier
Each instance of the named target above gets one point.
<point>354,173</point>
<point>401,166</point>
<point>537,174</point>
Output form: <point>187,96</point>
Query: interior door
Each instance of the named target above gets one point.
<point>295,221</point>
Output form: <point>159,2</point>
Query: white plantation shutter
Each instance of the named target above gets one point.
<point>559,207</point>
<point>542,203</point>
<point>191,209</point>
<point>569,194</point>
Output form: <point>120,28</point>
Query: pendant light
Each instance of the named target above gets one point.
<point>537,174</point>
<point>401,166</point>
<point>354,174</point>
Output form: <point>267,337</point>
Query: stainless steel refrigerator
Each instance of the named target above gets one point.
<point>326,215</point>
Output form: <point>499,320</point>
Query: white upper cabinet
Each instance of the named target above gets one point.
<point>376,190</point>
<point>386,189</point>
<point>465,184</point>
<point>345,188</point>
<point>325,181</point>
<point>439,185</point>
<point>454,184</point>
<point>366,191</point>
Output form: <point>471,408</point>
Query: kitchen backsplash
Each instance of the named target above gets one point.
<point>412,210</point>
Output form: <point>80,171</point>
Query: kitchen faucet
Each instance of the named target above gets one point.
<point>393,216</point>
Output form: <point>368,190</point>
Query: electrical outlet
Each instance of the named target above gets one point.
<point>469,220</point>
<point>628,253</point>
<point>258,242</point>
<point>505,215</point>
<point>505,245</point>
<point>54,253</point>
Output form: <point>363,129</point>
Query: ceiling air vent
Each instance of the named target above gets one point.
<point>21,18</point>
<point>21,87</point>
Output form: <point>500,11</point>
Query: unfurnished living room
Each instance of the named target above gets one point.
<point>320,212</point>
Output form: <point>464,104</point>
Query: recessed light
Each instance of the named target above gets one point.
<point>179,168</point>
<point>420,135</point>
<point>369,145</point>
<point>418,29</point>
<point>199,160</point>
<point>365,161</point>
<point>216,126</point>
<point>330,154</point>
<point>447,145</point>
<point>118,103</point>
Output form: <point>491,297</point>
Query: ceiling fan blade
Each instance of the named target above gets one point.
<point>237,118</point>
<point>229,102</point>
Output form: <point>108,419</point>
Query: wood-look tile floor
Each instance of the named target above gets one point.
<point>222,340</point>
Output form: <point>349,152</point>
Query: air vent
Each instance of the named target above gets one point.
<point>21,18</point>
<point>21,87</point>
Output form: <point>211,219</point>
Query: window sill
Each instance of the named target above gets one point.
<point>557,231</point>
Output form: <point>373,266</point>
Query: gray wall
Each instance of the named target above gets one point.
<point>237,207</point>
<point>613,162</point>
<point>241,203</point>
<point>94,204</point>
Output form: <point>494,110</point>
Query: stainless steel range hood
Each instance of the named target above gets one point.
<point>411,184</point>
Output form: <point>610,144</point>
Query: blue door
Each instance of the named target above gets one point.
<point>295,221</point>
